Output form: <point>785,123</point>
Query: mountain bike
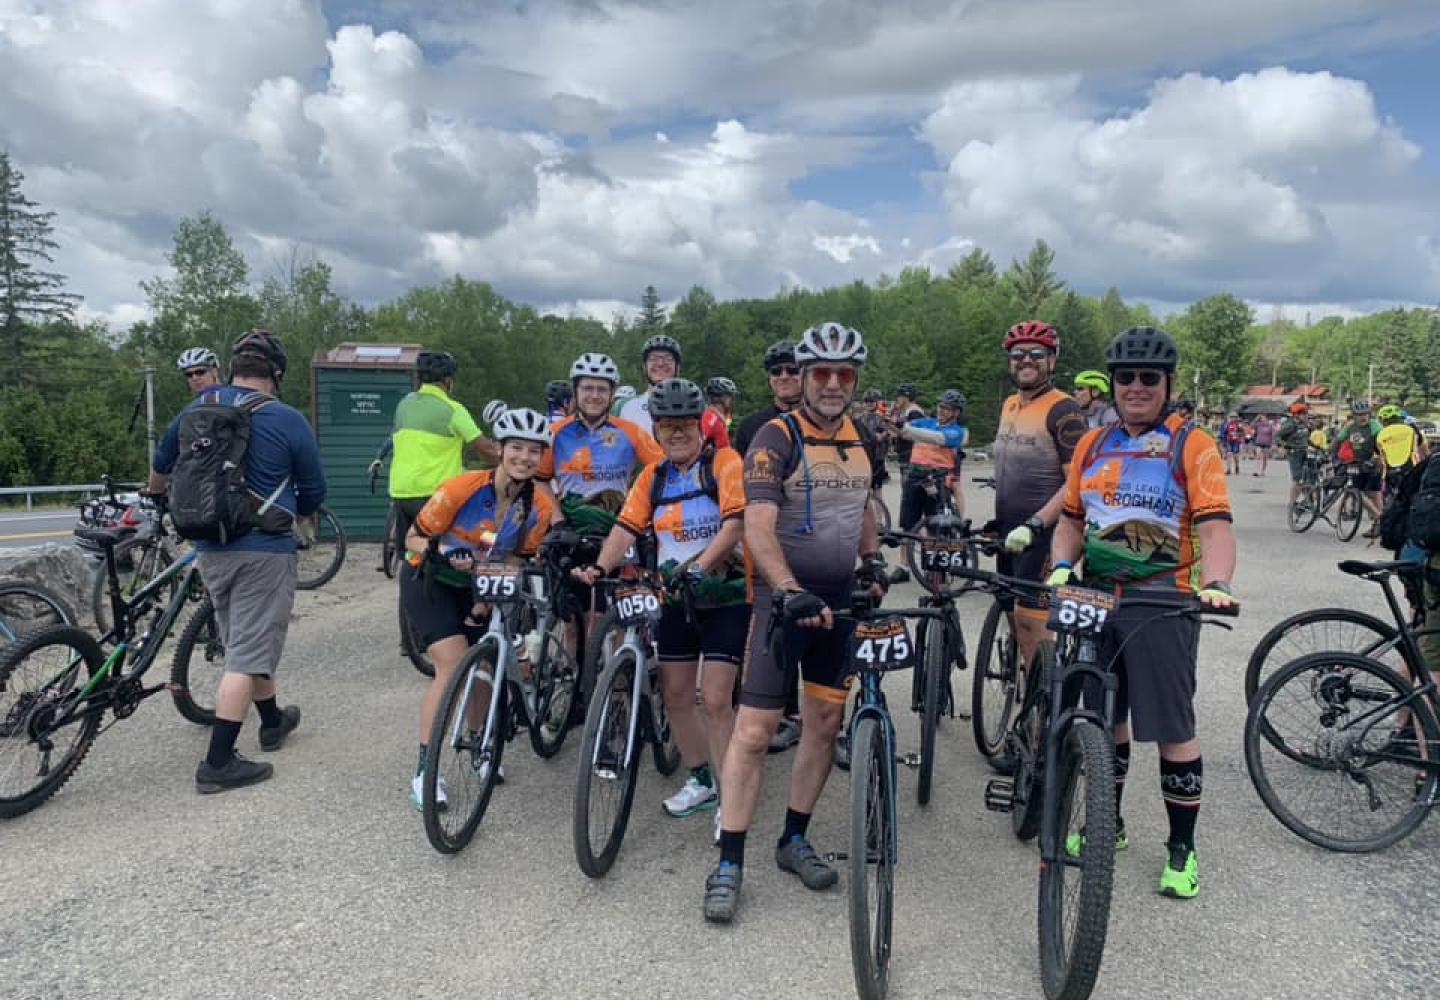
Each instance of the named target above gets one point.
<point>319,548</point>
<point>1343,749</point>
<point>146,544</point>
<point>488,700</point>
<point>943,523</point>
<point>625,713</point>
<point>1337,491</point>
<point>995,680</point>
<point>392,543</point>
<point>56,684</point>
<point>25,607</point>
<point>1063,788</point>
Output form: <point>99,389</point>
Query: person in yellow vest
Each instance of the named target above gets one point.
<point>1401,446</point>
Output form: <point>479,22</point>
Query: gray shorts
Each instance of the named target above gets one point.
<point>1156,671</point>
<point>253,594</point>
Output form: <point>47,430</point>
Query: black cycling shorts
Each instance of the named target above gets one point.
<point>718,634</point>
<point>1032,564</point>
<point>436,610</point>
<point>1158,694</point>
<point>821,656</point>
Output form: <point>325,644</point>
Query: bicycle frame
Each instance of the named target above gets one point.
<point>502,631</point>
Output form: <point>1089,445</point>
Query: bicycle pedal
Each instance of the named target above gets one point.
<point>910,760</point>
<point>1000,795</point>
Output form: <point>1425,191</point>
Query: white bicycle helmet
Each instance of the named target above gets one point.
<point>830,342</point>
<point>493,411</point>
<point>624,392</point>
<point>595,366</point>
<point>197,357</point>
<point>524,425</point>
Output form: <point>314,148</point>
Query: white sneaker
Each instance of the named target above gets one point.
<point>693,797</point>
<point>717,827</point>
<point>417,793</point>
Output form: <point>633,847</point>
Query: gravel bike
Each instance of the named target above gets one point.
<point>1337,491</point>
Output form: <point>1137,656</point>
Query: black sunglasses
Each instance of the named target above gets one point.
<point>785,370</point>
<point>197,372</point>
<point>1032,353</point>
<point>1149,379</point>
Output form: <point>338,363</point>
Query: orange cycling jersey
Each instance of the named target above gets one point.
<point>586,460</point>
<point>464,513</point>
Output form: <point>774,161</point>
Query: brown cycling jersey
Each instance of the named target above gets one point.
<point>1036,439</point>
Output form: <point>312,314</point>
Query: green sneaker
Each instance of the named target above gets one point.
<point>1181,877</point>
<point>1075,842</point>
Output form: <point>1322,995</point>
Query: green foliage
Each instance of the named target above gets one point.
<point>1215,340</point>
<point>29,294</point>
<point>1033,281</point>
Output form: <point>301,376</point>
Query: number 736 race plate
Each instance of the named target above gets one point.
<point>1079,609</point>
<point>883,644</point>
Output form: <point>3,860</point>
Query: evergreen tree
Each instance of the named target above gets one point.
<point>1033,280</point>
<point>29,294</point>
<point>652,314</point>
<point>1114,316</point>
<point>975,270</point>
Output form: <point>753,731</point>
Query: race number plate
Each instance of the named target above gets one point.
<point>636,605</point>
<point>1079,609</point>
<point>943,556</point>
<point>497,583</point>
<point>883,644</point>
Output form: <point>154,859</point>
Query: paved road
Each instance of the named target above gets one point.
<point>321,883</point>
<point>37,528</point>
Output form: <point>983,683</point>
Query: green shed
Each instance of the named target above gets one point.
<point>354,389</point>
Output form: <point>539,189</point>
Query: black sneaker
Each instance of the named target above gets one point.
<point>274,738</point>
<point>237,773</point>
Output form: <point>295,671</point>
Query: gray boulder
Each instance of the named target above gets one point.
<point>60,567</point>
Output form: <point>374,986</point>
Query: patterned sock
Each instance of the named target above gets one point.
<point>1181,782</point>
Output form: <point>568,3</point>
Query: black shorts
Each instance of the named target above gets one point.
<point>822,657</point>
<point>916,501</point>
<point>1032,564</point>
<point>437,610</point>
<point>406,511</point>
<point>718,634</point>
<point>1156,671</point>
<point>1368,481</point>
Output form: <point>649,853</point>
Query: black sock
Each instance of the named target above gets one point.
<point>732,847</point>
<point>1122,770</point>
<point>796,825</point>
<point>1181,782</point>
<point>270,715</point>
<point>223,734</point>
<point>701,774</point>
<point>420,764</point>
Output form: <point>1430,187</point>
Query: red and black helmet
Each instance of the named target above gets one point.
<point>1031,331</point>
<point>264,345</point>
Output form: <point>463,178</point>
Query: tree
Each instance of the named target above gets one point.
<point>1080,344</point>
<point>652,314</point>
<point>1034,280</point>
<point>1214,336</point>
<point>28,293</point>
<point>1114,316</point>
<point>208,301</point>
<point>975,270</point>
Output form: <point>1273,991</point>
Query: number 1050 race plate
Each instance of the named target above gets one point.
<point>883,644</point>
<point>1079,609</point>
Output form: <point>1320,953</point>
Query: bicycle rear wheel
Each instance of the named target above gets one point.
<point>936,679</point>
<point>1317,631</point>
<point>871,879</point>
<point>1304,509</point>
<point>608,768</point>
<point>1029,739</point>
<point>411,645</point>
<point>321,552</point>
<point>26,607</point>
<point>467,742</point>
<point>390,543</point>
<point>556,676</point>
<point>1075,891</point>
<point>1331,755</point>
<point>137,564</point>
<point>1348,514</point>
<point>198,666</point>
<point>37,673</point>
<point>882,512</point>
<point>992,688</point>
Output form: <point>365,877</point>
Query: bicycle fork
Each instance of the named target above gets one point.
<point>871,704</point>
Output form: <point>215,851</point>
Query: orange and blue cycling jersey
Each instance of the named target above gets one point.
<point>938,456</point>
<point>463,512</point>
<point>1140,504</point>
<point>585,460</point>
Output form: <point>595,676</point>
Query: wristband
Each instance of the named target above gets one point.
<point>1035,524</point>
<point>1062,564</point>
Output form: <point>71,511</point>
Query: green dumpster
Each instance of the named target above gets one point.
<point>354,389</point>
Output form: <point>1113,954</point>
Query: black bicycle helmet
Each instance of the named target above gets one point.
<point>558,392</point>
<point>1183,405</point>
<point>873,395</point>
<point>953,399</point>
<point>433,366</point>
<point>1142,347</point>
<point>720,387</point>
<point>264,345</point>
<point>1359,406</point>
<point>907,389</point>
<point>676,397</point>
<point>660,342</point>
<point>782,352</point>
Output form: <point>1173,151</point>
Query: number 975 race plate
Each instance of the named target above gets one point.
<point>1079,610</point>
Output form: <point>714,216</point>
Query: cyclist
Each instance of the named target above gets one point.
<point>936,443</point>
<point>1356,445</point>
<point>1146,507</point>
<point>1185,408</point>
<point>1292,434</point>
<point>1264,440</point>
<point>251,579</point>
<point>1092,393</point>
<point>720,414</point>
<point>808,477</point>
<point>432,432</point>
<point>660,357</point>
<point>623,395</point>
<point>1400,445</point>
<point>200,367</point>
<point>1232,438</point>
<point>907,407</point>
<point>694,500</point>
<point>1039,428</point>
<point>784,377</point>
<point>559,400</point>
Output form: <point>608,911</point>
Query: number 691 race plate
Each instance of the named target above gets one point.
<point>1079,610</point>
<point>883,644</point>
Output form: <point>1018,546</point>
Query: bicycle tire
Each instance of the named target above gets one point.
<point>882,511</point>
<point>556,676</point>
<point>937,675</point>
<point>411,646</point>
<point>1348,514</point>
<point>201,634</point>
<point>596,653</point>
<point>1324,754</point>
<point>1304,509</point>
<point>607,719</point>
<point>663,748</point>
<point>389,546</point>
<point>872,839</point>
<point>317,562</point>
<point>1070,961</point>
<point>1029,762</point>
<point>1370,636</point>
<point>455,704</point>
<point>29,607</point>
<point>20,703</point>
<point>145,559</point>
<point>994,682</point>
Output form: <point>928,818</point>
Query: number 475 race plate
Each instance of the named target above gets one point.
<point>883,644</point>
<point>1079,609</point>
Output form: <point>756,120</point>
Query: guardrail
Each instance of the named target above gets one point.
<point>30,492</point>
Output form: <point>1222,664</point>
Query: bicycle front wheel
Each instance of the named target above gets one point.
<point>1075,888</point>
<point>467,742</point>
<point>556,676</point>
<point>608,768</point>
<point>1304,509</point>
<point>1348,513</point>
<point>1341,754</point>
<point>882,512</point>
<point>871,880</point>
<point>38,673</point>
<point>319,549</point>
<point>198,666</point>
<point>935,683</point>
<point>992,688</point>
<point>27,607</point>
